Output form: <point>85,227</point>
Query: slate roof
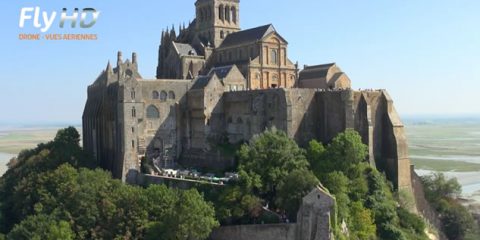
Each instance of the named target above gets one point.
<point>317,71</point>
<point>201,82</point>
<point>221,72</point>
<point>247,36</point>
<point>185,49</point>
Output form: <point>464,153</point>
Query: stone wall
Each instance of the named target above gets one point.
<point>423,206</point>
<point>251,232</point>
<point>316,217</point>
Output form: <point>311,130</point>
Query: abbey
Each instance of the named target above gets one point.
<point>217,85</point>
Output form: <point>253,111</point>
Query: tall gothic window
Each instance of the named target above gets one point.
<point>221,12</point>
<point>132,94</point>
<point>134,112</point>
<point>274,56</point>
<point>152,112</point>
<point>227,13</point>
<point>234,14</point>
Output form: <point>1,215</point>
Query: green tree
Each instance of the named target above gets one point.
<point>316,155</point>
<point>191,218</point>
<point>236,204</point>
<point>338,184</point>
<point>39,227</point>
<point>442,193</point>
<point>293,188</point>
<point>437,186</point>
<point>267,160</point>
<point>346,149</point>
<point>362,226</point>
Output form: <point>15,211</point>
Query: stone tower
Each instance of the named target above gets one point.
<point>216,19</point>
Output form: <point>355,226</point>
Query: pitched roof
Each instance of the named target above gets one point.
<point>221,72</point>
<point>247,36</point>
<point>317,71</point>
<point>185,49</point>
<point>201,82</point>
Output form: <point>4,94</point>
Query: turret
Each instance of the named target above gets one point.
<point>119,58</point>
<point>215,19</point>
<point>134,59</point>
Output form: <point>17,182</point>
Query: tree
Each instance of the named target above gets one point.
<point>316,157</point>
<point>189,218</point>
<point>438,187</point>
<point>346,149</point>
<point>267,160</point>
<point>293,188</point>
<point>337,183</point>
<point>38,227</point>
<point>442,193</point>
<point>236,203</point>
<point>362,226</point>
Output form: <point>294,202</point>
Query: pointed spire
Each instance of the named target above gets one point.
<point>173,34</point>
<point>109,67</point>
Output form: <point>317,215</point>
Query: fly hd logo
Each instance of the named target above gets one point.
<point>43,21</point>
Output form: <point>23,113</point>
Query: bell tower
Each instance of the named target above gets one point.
<point>215,19</point>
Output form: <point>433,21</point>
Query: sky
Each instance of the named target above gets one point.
<point>425,53</point>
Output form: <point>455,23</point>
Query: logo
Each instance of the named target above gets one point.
<point>43,20</point>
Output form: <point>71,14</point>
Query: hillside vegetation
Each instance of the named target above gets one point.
<point>54,192</point>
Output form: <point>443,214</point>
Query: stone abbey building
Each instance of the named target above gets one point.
<point>219,84</point>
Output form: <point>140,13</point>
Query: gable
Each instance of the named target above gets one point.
<point>274,37</point>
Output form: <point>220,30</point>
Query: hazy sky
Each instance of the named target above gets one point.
<point>426,53</point>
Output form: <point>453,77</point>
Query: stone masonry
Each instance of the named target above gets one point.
<point>218,84</point>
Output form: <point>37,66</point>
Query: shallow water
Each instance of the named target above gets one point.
<point>453,141</point>
<point>4,158</point>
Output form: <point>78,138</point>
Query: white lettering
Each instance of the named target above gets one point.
<point>48,20</point>
<point>24,16</point>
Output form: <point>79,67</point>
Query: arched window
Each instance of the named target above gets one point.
<point>163,96</point>
<point>134,112</point>
<point>152,112</point>
<point>274,56</point>
<point>222,34</point>
<point>155,95</point>
<point>234,14</point>
<point>132,94</point>
<point>221,12</point>
<point>171,95</point>
<point>227,13</point>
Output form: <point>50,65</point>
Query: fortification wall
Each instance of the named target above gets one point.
<point>423,206</point>
<point>250,232</point>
